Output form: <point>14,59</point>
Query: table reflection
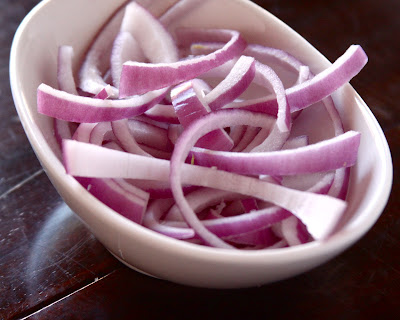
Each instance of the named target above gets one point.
<point>58,250</point>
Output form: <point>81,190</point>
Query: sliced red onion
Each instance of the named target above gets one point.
<point>272,140</point>
<point>302,233</point>
<point>96,61</point>
<point>292,230</point>
<point>157,153</point>
<point>263,54</point>
<point>263,238</point>
<point>330,154</point>
<point>289,231</point>
<point>224,227</point>
<point>261,136</point>
<point>174,131</point>
<point>63,130</point>
<point>248,136</point>
<point>295,142</point>
<point>112,145</point>
<point>189,105</point>
<point>278,245</point>
<point>236,133</point>
<point>267,105</point>
<point>284,64</point>
<point>273,56</point>
<point>280,203</point>
<point>65,75</point>
<point>116,164</point>
<point>122,197</point>
<point>213,214</point>
<point>342,176</point>
<point>66,82</point>
<point>231,226</point>
<point>163,113</point>
<point>143,118</point>
<point>107,77</point>
<point>238,225</point>
<point>149,134</point>
<point>138,78</point>
<point>125,137</point>
<point>314,90</point>
<point>265,76</point>
<point>304,74</point>
<point>153,216</point>
<point>154,40</point>
<point>62,105</point>
<point>201,199</point>
<point>186,101</point>
<point>125,48</point>
<point>221,71</point>
<point>249,204</point>
<point>158,189</point>
<point>236,82</point>
<point>318,226</point>
<point>104,93</point>
<point>142,138</point>
<point>234,208</point>
<point>101,132</point>
<point>275,140</point>
<point>83,132</point>
<point>325,83</point>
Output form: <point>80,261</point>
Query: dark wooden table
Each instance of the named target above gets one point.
<point>51,267</point>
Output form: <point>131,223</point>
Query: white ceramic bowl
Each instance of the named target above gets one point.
<point>74,22</point>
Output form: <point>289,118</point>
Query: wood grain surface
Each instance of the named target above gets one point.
<point>51,266</point>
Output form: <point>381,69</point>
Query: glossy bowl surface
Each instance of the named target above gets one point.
<point>74,22</point>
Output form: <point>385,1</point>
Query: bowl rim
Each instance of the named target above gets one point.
<point>340,240</point>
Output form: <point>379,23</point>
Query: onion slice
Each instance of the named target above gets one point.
<point>62,105</point>
<point>330,154</point>
<point>65,75</point>
<point>163,113</point>
<point>235,83</point>
<point>154,40</point>
<point>96,60</point>
<point>138,78</point>
<point>66,82</point>
<point>125,48</point>
<point>189,104</point>
<point>326,82</point>
<point>307,93</point>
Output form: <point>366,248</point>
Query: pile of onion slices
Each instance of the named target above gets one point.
<point>201,136</point>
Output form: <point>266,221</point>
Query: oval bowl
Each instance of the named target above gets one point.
<point>33,61</point>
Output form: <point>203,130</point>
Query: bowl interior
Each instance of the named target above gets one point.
<point>33,61</point>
